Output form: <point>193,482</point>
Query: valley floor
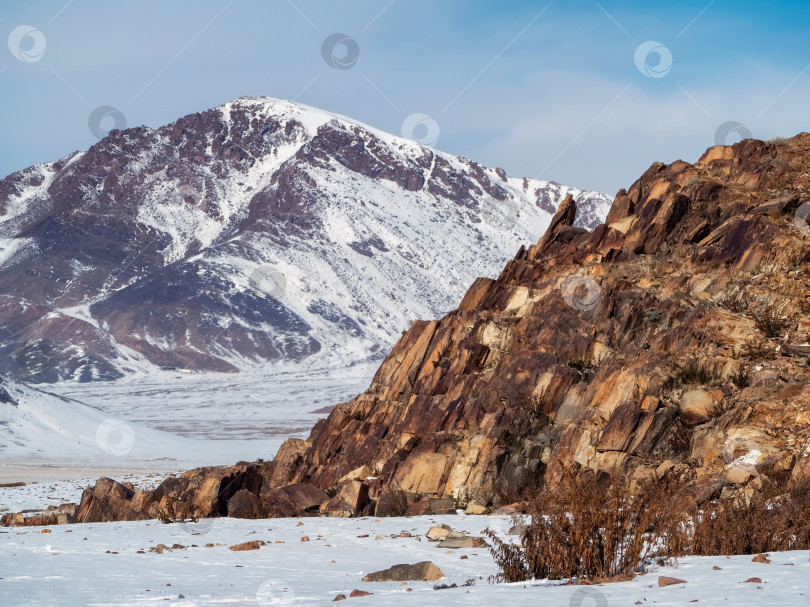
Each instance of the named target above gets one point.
<point>100,564</point>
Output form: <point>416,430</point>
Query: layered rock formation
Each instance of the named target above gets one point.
<point>670,341</point>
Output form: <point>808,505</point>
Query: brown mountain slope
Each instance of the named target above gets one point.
<point>667,341</point>
<point>671,341</point>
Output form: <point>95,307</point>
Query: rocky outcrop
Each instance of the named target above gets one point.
<point>672,340</point>
<point>240,491</point>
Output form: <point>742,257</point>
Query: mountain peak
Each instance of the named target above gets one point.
<point>259,231</point>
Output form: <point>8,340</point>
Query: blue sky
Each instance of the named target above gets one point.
<point>543,89</point>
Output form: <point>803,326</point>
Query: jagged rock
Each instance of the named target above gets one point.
<point>647,348</point>
<point>425,571</point>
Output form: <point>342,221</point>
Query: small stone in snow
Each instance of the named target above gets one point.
<point>356,592</point>
<point>665,580</point>
<point>340,597</point>
<point>252,545</point>
<point>753,580</point>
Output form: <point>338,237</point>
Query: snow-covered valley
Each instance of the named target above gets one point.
<point>163,422</point>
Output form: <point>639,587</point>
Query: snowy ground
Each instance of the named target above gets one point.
<point>99,564</point>
<point>233,406</point>
<point>38,496</point>
<point>165,422</point>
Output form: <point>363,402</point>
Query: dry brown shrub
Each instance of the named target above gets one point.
<point>592,530</point>
<point>587,529</point>
<point>776,519</point>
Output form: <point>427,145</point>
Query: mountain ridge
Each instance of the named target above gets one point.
<point>252,232</point>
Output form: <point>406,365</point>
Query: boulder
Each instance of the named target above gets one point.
<point>245,504</point>
<point>391,502</point>
<point>304,497</point>
<point>439,532</point>
<point>442,505</point>
<point>740,475</point>
<point>350,500</point>
<point>476,509</point>
<point>455,543</point>
<point>425,571</point>
<point>698,406</point>
<point>356,593</point>
<point>107,501</point>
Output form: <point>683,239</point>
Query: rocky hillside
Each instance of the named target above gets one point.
<point>672,341</point>
<point>260,230</point>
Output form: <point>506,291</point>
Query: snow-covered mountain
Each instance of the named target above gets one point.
<point>261,230</point>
